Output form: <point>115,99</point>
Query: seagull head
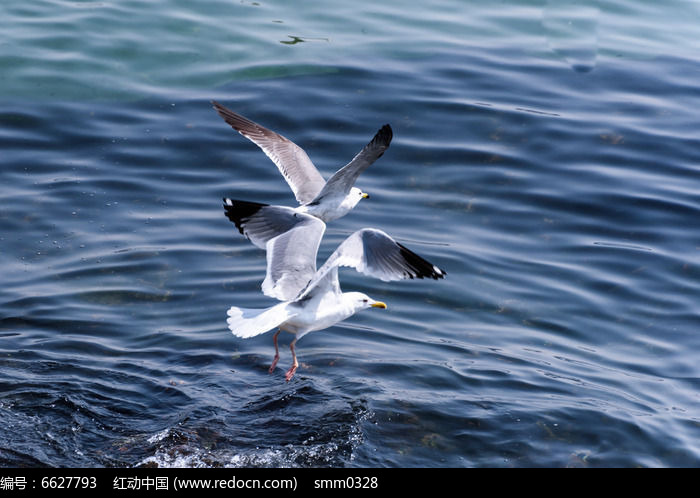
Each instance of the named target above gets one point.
<point>347,204</point>
<point>356,195</point>
<point>362,301</point>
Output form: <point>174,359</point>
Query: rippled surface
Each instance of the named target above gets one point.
<point>545,155</point>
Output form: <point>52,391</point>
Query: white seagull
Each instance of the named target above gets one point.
<point>326,200</point>
<point>321,303</point>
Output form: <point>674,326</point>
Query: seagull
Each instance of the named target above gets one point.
<point>326,200</point>
<point>321,303</point>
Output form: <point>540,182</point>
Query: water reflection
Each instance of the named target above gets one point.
<point>571,28</point>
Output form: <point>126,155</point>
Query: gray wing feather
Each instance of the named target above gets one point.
<point>261,222</point>
<point>344,179</point>
<point>291,258</point>
<point>374,253</point>
<point>294,164</point>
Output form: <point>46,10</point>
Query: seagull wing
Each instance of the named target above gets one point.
<point>291,240</point>
<point>261,222</point>
<point>374,253</point>
<point>344,179</point>
<point>296,167</point>
<point>291,258</point>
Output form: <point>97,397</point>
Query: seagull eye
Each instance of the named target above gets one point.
<point>365,301</point>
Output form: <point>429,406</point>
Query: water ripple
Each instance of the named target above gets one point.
<point>561,202</point>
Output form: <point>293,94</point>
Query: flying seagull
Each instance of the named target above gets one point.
<point>321,303</point>
<point>326,200</point>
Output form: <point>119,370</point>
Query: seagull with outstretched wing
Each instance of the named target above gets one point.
<point>321,303</point>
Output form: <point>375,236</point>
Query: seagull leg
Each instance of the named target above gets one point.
<point>277,351</point>
<point>295,364</point>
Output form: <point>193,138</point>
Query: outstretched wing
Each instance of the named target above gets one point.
<point>291,240</point>
<point>294,164</point>
<point>260,222</point>
<point>344,179</point>
<point>374,253</point>
<point>291,258</point>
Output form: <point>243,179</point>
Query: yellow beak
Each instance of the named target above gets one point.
<point>378,304</point>
<point>365,196</point>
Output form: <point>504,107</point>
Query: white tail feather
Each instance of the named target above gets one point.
<point>245,322</point>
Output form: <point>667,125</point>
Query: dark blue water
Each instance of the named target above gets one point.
<point>545,154</point>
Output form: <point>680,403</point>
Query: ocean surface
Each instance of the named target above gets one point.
<point>546,154</point>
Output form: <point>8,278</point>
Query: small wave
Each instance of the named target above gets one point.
<point>328,439</point>
<point>621,245</point>
<point>190,456</point>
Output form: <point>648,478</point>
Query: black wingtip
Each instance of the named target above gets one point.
<point>419,266</point>
<point>239,212</point>
<point>384,135</point>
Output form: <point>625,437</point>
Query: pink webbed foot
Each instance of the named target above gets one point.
<point>274,363</point>
<point>290,373</point>
<point>295,364</point>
